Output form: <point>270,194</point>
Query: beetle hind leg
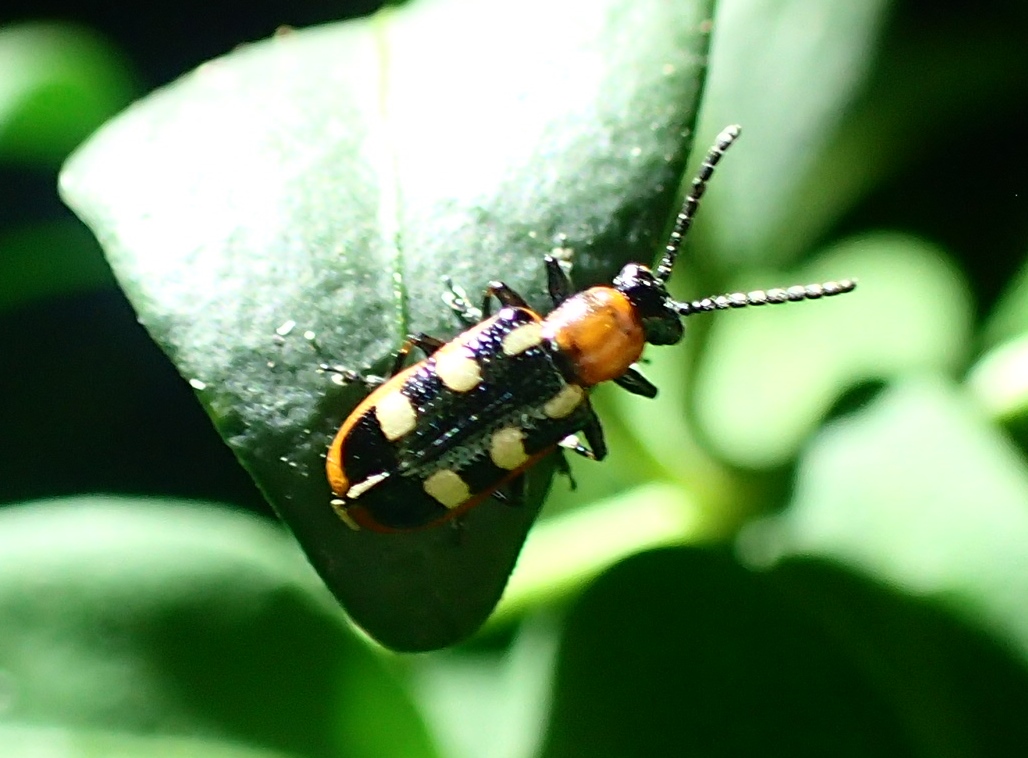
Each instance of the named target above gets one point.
<point>342,375</point>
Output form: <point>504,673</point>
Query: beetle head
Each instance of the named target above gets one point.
<point>661,321</point>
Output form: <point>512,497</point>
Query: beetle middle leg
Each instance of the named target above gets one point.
<point>457,299</point>
<point>558,283</point>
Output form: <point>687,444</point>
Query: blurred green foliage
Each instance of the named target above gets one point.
<point>814,542</point>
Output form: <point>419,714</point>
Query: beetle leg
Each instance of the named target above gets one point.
<point>507,297</point>
<point>339,506</point>
<point>400,358</point>
<point>574,444</point>
<point>564,467</point>
<point>514,497</point>
<point>516,492</point>
<point>457,299</point>
<point>558,284</point>
<point>593,432</point>
<point>345,375</point>
<point>636,383</point>
<point>349,376</point>
<point>425,343</point>
<point>457,529</point>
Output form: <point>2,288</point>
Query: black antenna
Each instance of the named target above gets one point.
<point>766,297</point>
<point>699,185</point>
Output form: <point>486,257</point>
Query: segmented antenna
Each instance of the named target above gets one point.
<point>699,185</point>
<point>766,297</point>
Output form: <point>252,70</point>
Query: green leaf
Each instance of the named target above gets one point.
<point>489,702</point>
<point>917,490</point>
<point>60,82</point>
<point>126,620</point>
<point>324,181</point>
<point>955,690</point>
<point>999,382</point>
<point>767,379</point>
<point>565,552</point>
<point>36,741</point>
<point>1009,319</point>
<point>685,652</point>
<point>999,379</point>
<point>790,89</point>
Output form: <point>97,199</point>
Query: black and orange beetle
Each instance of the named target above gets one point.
<point>437,438</point>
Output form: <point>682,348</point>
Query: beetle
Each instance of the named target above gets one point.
<point>436,438</point>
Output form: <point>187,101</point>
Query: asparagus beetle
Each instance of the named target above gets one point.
<point>435,439</point>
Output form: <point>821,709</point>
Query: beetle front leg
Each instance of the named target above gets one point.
<point>633,381</point>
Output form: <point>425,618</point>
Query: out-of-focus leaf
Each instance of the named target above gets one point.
<point>484,702</point>
<point>60,742</point>
<point>567,551</point>
<point>786,71</point>
<point>1010,317</point>
<point>126,618</point>
<point>684,652</point>
<point>59,83</point>
<point>999,380</point>
<point>919,93</point>
<point>722,663</point>
<point>920,491</point>
<point>325,180</point>
<point>766,379</point>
